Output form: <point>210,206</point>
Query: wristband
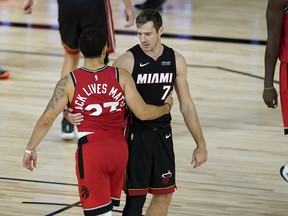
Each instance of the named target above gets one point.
<point>30,151</point>
<point>269,88</point>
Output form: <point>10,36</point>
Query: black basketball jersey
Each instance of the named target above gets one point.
<point>154,79</point>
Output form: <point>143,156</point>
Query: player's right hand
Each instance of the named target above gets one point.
<point>73,118</point>
<point>169,100</point>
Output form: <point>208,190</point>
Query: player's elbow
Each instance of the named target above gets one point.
<point>187,108</point>
<point>183,109</point>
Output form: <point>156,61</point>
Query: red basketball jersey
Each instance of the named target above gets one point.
<point>99,97</point>
<point>284,40</point>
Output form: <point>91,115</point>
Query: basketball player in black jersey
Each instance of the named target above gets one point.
<point>156,70</point>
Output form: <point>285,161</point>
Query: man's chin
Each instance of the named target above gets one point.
<point>146,48</point>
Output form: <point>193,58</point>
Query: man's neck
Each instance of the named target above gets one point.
<point>93,63</point>
<point>156,52</point>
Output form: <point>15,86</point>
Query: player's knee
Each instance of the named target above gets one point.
<point>134,205</point>
<point>163,199</point>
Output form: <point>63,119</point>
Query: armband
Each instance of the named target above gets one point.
<point>269,88</point>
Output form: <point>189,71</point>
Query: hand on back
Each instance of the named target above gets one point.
<point>73,118</point>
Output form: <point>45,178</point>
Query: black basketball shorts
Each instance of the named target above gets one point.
<point>151,163</point>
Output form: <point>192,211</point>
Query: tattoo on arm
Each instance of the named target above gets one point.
<point>58,93</point>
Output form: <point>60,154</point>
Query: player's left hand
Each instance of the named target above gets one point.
<point>199,156</point>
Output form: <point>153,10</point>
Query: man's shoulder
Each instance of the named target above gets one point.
<point>124,59</point>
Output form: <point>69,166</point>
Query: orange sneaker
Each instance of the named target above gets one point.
<point>4,74</point>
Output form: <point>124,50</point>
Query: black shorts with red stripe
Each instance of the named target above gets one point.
<point>151,163</point>
<point>77,15</point>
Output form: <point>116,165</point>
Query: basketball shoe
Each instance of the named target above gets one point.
<point>284,172</point>
<point>67,130</point>
<point>4,74</point>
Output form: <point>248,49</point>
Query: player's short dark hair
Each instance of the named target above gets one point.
<point>148,15</point>
<point>91,42</point>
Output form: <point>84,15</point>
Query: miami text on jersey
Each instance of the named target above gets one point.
<point>148,78</point>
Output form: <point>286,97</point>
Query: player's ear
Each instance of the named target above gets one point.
<point>161,30</point>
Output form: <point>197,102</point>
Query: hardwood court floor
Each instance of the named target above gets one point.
<point>225,71</point>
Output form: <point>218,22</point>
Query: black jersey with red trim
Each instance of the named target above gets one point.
<point>154,79</point>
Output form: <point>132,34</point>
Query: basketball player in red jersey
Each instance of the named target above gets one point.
<point>100,93</point>
<point>156,69</point>
<point>277,47</point>
<point>73,17</point>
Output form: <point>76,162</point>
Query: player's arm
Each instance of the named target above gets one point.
<point>56,105</point>
<point>129,13</point>
<point>125,61</point>
<point>135,102</point>
<point>189,112</point>
<point>274,21</point>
